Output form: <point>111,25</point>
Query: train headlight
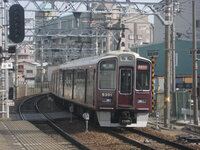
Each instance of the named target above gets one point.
<point>107,100</point>
<point>142,101</point>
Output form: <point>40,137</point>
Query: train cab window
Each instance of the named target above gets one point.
<point>126,81</point>
<point>107,74</point>
<point>143,75</point>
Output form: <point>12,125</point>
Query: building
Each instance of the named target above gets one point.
<point>139,31</point>
<point>184,66</point>
<point>70,37</point>
<point>183,23</point>
<point>24,55</point>
<point>26,73</point>
<point>183,62</point>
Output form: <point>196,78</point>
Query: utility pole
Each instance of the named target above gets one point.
<point>173,58</point>
<point>137,49</point>
<point>102,40</point>
<point>5,80</point>
<point>3,71</point>
<point>108,42</point>
<point>16,73</point>
<point>96,43</point>
<point>168,12</point>
<point>42,75</point>
<point>195,65</point>
<point>173,66</point>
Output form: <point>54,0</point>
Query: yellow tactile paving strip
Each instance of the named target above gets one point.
<point>30,137</point>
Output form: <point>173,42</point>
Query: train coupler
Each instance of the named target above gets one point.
<point>125,118</point>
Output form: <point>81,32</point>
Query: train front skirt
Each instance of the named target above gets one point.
<point>104,119</point>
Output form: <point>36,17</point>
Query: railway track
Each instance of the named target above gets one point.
<point>30,105</point>
<point>183,128</point>
<point>148,141</point>
<point>159,139</point>
<point>145,140</point>
<point>27,107</point>
<point>124,136</point>
<point>131,141</point>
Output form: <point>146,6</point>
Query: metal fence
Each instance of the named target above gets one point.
<point>181,101</point>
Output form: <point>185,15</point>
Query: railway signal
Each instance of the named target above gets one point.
<point>16,22</point>
<point>11,49</point>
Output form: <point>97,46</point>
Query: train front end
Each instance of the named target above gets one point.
<point>124,91</point>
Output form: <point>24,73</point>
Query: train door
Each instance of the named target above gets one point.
<point>125,94</point>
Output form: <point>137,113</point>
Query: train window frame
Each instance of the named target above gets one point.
<point>136,75</point>
<point>115,69</point>
<point>131,90</point>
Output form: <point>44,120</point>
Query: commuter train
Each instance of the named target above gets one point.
<point>114,87</point>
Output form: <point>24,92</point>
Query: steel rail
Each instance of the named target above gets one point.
<point>50,121</point>
<point>61,131</point>
<point>159,139</point>
<point>130,141</point>
<point>20,110</point>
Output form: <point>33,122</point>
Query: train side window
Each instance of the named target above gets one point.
<point>143,75</point>
<point>107,74</point>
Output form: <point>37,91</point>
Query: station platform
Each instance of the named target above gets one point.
<point>22,135</point>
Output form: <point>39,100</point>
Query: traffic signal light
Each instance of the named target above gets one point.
<point>16,21</point>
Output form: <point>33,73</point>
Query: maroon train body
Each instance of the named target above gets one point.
<point>115,87</point>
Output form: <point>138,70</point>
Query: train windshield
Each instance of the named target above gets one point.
<point>143,75</point>
<point>107,74</point>
<point>126,81</point>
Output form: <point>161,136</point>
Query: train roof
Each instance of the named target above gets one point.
<point>95,59</point>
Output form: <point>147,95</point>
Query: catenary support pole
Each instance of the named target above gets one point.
<point>173,61</point>
<point>5,81</point>
<point>167,65</point>
<point>42,75</point>
<point>16,73</point>
<point>195,65</point>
